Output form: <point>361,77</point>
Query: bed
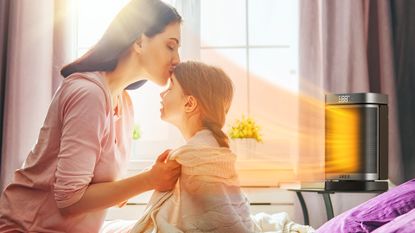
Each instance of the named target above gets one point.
<point>392,211</point>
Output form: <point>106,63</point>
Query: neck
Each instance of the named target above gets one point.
<point>190,127</point>
<point>124,74</point>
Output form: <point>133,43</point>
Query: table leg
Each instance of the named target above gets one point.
<point>329,206</point>
<point>303,207</point>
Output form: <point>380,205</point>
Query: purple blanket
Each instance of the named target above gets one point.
<point>375,212</point>
<point>402,224</point>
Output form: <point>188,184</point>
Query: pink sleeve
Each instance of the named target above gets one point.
<point>83,115</point>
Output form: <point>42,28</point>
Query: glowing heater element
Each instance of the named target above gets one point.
<point>342,140</point>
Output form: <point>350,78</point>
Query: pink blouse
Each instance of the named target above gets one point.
<point>82,141</point>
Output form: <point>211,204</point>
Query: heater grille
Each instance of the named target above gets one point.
<point>351,140</point>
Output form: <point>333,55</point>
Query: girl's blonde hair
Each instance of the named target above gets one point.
<point>213,90</point>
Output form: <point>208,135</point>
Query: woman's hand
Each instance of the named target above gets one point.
<point>164,173</point>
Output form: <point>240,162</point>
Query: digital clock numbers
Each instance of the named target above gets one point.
<point>344,98</point>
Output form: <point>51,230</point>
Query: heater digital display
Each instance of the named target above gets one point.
<point>351,139</point>
<point>344,98</point>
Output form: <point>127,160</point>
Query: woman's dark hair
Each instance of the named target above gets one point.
<point>148,17</point>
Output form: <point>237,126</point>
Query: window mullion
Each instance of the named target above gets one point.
<point>247,57</point>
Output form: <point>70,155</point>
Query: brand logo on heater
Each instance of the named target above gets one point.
<point>344,176</point>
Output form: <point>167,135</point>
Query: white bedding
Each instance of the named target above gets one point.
<point>208,199</point>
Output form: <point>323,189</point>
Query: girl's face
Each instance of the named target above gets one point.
<point>160,53</point>
<point>173,101</point>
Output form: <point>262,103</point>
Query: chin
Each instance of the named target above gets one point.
<point>163,79</point>
<point>163,82</point>
<point>159,80</point>
<point>166,119</point>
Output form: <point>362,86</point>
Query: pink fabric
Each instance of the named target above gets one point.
<point>82,141</point>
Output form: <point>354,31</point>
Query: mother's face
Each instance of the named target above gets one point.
<point>160,54</point>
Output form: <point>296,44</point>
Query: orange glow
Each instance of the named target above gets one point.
<point>293,138</point>
<point>342,140</point>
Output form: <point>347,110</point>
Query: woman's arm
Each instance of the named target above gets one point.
<point>162,177</point>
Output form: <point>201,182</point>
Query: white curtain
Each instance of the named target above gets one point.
<point>190,44</point>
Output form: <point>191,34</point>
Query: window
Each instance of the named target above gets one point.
<point>254,41</point>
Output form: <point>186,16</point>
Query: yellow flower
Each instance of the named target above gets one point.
<point>245,128</point>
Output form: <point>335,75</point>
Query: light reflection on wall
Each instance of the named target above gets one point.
<point>276,109</point>
<point>311,132</point>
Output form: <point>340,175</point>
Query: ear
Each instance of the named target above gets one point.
<point>191,104</point>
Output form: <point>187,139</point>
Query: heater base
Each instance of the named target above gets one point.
<point>347,185</point>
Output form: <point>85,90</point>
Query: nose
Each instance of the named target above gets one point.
<point>176,58</point>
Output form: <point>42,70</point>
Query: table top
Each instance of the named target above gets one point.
<point>315,190</point>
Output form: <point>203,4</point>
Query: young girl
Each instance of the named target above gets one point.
<point>207,197</point>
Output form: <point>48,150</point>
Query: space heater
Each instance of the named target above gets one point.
<point>356,142</point>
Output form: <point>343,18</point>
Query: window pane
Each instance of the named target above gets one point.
<point>273,22</point>
<point>275,65</point>
<point>156,135</point>
<point>233,62</point>
<point>223,23</point>
<point>81,51</point>
<point>146,101</point>
<point>273,100</point>
<point>92,22</point>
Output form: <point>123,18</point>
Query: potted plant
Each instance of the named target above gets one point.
<point>245,133</point>
<point>135,136</point>
<point>136,131</point>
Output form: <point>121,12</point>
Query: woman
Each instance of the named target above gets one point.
<point>70,176</point>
